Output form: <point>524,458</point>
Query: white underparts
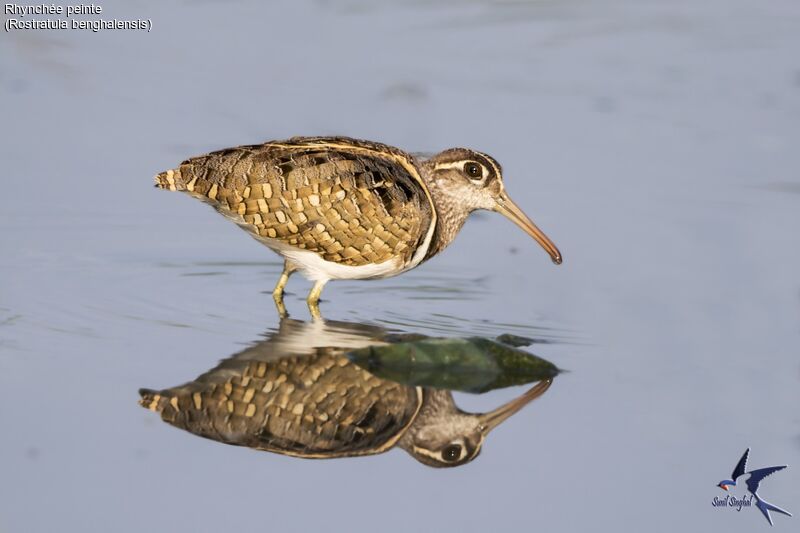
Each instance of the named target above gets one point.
<point>315,268</point>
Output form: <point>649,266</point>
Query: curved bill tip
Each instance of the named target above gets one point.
<point>510,210</point>
<point>492,419</point>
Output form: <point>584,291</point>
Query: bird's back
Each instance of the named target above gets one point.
<point>351,202</point>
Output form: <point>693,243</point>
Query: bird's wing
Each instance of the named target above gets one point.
<point>741,466</point>
<point>352,202</point>
<point>757,475</point>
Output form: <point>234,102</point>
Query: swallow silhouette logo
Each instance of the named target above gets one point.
<point>752,482</point>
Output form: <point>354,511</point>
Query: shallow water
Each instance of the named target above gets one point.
<point>655,142</point>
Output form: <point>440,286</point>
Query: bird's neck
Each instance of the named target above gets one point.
<point>451,213</point>
<point>437,409</point>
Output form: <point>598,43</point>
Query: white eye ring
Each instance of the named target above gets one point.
<point>453,452</point>
<point>474,170</point>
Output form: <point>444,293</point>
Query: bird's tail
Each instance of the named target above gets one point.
<point>153,400</point>
<point>766,507</point>
<point>171,180</point>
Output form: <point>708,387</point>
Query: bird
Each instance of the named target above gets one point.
<point>753,482</point>
<point>344,208</point>
<point>296,393</point>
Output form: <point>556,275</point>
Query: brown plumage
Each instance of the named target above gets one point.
<point>341,208</point>
<point>296,393</point>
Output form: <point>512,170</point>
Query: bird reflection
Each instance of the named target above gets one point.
<point>297,393</point>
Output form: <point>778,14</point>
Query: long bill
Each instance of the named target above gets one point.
<point>492,419</point>
<point>511,211</point>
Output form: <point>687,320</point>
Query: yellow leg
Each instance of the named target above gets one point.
<point>277,292</point>
<point>313,298</point>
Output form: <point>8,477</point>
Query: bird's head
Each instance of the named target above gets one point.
<point>724,484</point>
<point>454,443</point>
<point>445,436</point>
<point>473,180</point>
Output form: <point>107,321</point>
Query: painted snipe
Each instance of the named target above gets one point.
<point>298,393</point>
<point>341,208</point>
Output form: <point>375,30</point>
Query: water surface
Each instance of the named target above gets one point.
<point>655,142</point>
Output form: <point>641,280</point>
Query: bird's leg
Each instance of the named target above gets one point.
<point>288,269</point>
<point>277,292</point>
<point>313,298</point>
<point>282,312</point>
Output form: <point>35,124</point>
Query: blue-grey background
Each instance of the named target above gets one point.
<point>655,141</point>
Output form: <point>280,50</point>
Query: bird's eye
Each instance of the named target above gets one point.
<point>473,170</point>
<point>452,453</point>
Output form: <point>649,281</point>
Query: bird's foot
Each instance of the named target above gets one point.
<point>278,299</point>
<point>277,292</point>
<point>313,299</point>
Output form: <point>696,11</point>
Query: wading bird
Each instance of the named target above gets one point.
<point>341,208</point>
